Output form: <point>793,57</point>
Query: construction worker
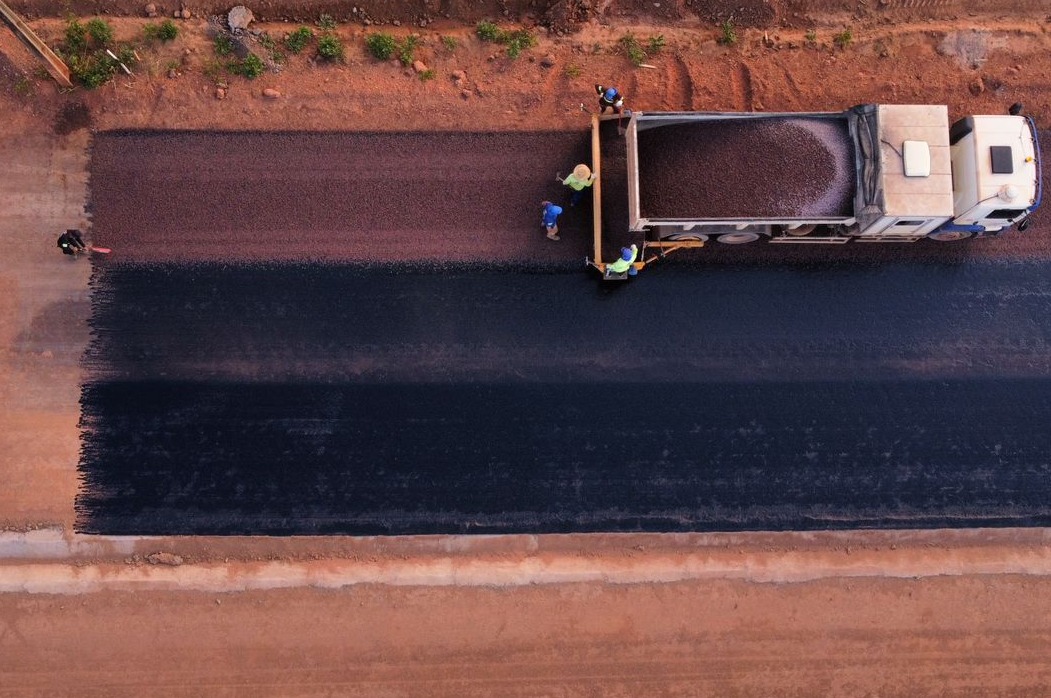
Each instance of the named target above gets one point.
<point>628,255</point>
<point>609,98</point>
<point>578,180</point>
<point>549,219</point>
<point>71,243</point>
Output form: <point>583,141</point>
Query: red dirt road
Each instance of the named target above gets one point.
<point>724,638</point>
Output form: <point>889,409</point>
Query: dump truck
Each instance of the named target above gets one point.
<point>871,173</point>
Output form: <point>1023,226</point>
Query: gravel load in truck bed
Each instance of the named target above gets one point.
<point>794,167</point>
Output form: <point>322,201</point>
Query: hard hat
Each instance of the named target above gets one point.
<point>626,253</point>
<point>555,209</point>
<point>581,171</point>
<point>609,94</point>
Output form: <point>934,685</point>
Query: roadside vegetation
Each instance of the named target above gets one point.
<point>92,54</point>
<point>516,40</point>
<point>638,51</point>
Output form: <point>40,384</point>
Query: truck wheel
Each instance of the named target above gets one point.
<point>737,238</point>
<point>685,237</point>
<point>950,235</point>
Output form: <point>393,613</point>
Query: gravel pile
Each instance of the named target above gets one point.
<point>764,168</point>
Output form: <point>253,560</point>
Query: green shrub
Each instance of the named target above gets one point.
<point>298,40</point>
<point>326,22</point>
<point>330,47</point>
<point>407,50</point>
<point>93,70</point>
<point>76,37</point>
<point>251,67</point>
<point>451,43</point>
<point>518,41</point>
<point>633,49</point>
<point>844,38</point>
<point>427,75</point>
<point>224,45</point>
<point>100,31</point>
<point>656,45</point>
<point>729,34</point>
<point>165,31</point>
<point>381,46</point>
<point>811,37</point>
<point>488,31</point>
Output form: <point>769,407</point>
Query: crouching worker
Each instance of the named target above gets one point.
<point>71,243</point>
<point>626,263</point>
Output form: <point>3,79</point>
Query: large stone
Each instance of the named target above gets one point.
<point>419,66</point>
<point>151,10</point>
<point>271,93</point>
<point>548,61</point>
<point>239,18</point>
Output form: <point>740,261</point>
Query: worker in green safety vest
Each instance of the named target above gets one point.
<point>628,255</point>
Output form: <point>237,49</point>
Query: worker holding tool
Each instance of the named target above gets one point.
<point>609,98</point>
<point>578,180</point>
<point>628,255</point>
<point>549,219</point>
<point>71,243</point>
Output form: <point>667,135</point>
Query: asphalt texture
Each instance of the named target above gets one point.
<point>248,379</point>
<point>308,399</point>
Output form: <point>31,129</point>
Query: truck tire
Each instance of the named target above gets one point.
<point>950,235</point>
<point>685,237</point>
<point>737,238</point>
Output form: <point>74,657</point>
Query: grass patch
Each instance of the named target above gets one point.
<point>330,47</point>
<point>251,67</point>
<point>224,45</point>
<point>84,51</point>
<point>810,37</point>
<point>727,35</point>
<point>516,41</point>
<point>382,46</point>
<point>636,51</point>
<point>298,40</point>
<point>24,87</point>
<point>326,22</point>
<point>451,43</point>
<point>165,31</point>
<point>844,38</point>
<point>572,71</point>
<point>407,51</point>
<point>426,75</point>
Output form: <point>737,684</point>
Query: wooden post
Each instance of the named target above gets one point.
<point>596,192</point>
<point>54,64</point>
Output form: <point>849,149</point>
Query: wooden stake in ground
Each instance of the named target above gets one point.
<point>54,64</point>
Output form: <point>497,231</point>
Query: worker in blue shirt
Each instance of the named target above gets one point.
<point>549,219</point>
<point>609,98</point>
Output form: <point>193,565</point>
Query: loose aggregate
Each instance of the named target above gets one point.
<point>756,168</point>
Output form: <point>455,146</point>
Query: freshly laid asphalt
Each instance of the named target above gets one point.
<point>309,394</point>
<point>335,399</point>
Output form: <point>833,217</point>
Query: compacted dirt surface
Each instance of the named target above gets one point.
<point>962,620</point>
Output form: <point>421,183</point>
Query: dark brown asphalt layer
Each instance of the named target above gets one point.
<point>348,197</point>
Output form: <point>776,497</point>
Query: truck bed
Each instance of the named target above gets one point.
<point>754,167</point>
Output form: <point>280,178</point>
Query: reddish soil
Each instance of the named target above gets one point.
<point>968,635</point>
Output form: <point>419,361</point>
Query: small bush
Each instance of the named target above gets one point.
<point>655,45</point>
<point>251,67</point>
<point>427,75</point>
<point>633,49</point>
<point>165,31</point>
<point>811,37</point>
<point>224,45</point>
<point>407,51</point>
<point>298,40</point>
<point>572,70</point>
<point>518,41</point>
<point>488,31</point>
<point>451,43</point>
<point>76,37</point>
<point>381,46</point>
<point>729,34</point>
<point>330,47</point>
<point>94,70</point>
<point>844,38</point>
<point>326,22</point>
<point>100,31</point>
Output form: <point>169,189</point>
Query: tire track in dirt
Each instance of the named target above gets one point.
<point>678,85</point>
<point>741,80</point>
